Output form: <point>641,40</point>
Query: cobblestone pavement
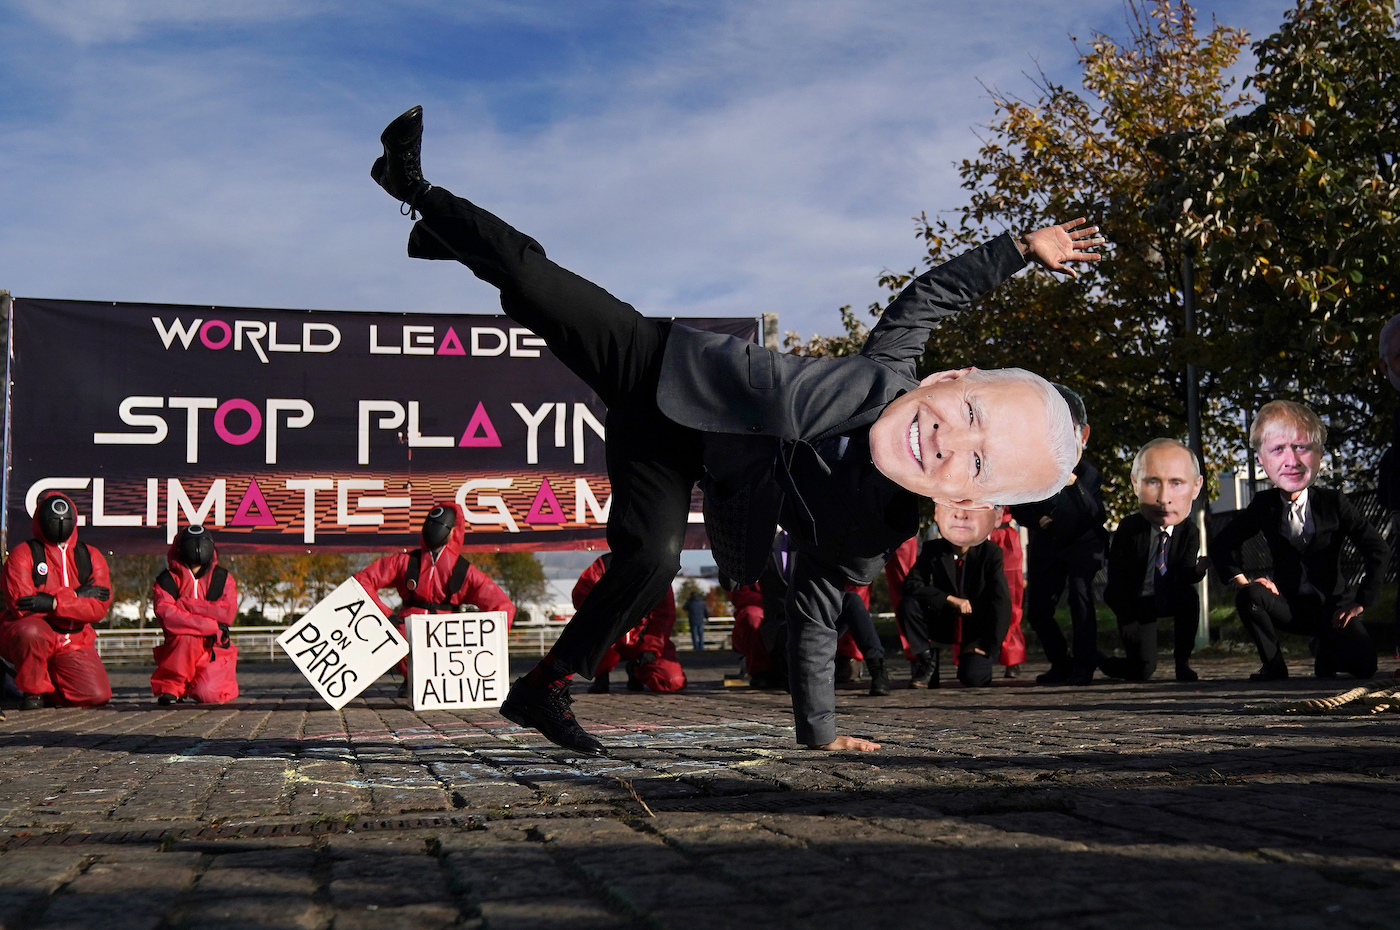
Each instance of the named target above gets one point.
<point>1150,805</point>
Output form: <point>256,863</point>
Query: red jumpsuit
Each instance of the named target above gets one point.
<point>428,594</point>
<point>1008,536</point>
<point>748,616</point>
<point>196,660</point>
<point>55,653</point>
<point>653,635</point>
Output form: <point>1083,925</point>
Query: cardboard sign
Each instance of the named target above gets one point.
<point>458,660</point>
<point>343,644</point>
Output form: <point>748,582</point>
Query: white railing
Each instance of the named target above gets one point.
<point>259,643</point>
<point>124,647</point>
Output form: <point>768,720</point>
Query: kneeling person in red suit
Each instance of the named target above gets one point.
<point>196,601</point>
<point>646,648</point>
<point>56,588</point>
<point>436,579</point>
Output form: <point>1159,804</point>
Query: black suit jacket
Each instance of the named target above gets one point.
<point>1134,543</point>
<point>933,578</point>
<point>1076,535</point>
<point>774,427</point>
<point>1319,562</point>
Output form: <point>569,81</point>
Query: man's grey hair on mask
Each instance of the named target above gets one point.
<point>1060,433</point>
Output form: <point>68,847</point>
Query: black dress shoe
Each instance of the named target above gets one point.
<point>400,169</point>
<point>1080,675</point>
<point>1271,671</point>
<point>1057,675</point>
<point>32,702</point>
<point>547,709</point>
<point>1185,672</point>
<point>600,684</point>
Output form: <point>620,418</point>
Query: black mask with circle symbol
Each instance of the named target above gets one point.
<point>437,528</point>
<point>196,547</point>
<point>57,520</point>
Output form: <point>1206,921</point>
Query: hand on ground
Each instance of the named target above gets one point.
<point>849,744</point>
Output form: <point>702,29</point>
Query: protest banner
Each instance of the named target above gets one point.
<point>458,660</point>
<point>294,430</point>
<point>343,644</point>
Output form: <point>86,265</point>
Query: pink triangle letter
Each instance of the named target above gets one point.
<point>545,498</point>
<point>480,421</point>
<point>253,509</point>
<point>451,345</point>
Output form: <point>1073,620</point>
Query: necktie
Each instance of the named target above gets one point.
<point>1159,586</point>
<point>1295,519</point>
<point>959,580</point>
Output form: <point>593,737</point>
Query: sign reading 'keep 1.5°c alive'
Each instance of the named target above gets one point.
<point>343,644</point>
<point>289,429</point>
<point>458,660</point>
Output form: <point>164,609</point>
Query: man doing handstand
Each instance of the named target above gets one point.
<point>836,450</point>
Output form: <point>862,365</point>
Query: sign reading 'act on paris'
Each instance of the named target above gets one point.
<point>343,643</point>
<point>458,660</point>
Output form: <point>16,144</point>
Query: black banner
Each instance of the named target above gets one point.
<point>292,429</point>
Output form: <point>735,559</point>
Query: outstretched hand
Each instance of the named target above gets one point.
<point>1052,246</point>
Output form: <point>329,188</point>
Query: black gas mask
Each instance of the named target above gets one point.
<point>196,547</point>
<point>57,519</point>
<point>437,528</point>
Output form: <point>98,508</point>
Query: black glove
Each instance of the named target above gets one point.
<point>223,634</point>
<point>1202,566</point>
<point>40,603</point>
<point>93,590</point>
<point>646,658</point>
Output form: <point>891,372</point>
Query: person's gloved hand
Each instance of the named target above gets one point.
<point>223,634</point>
<point>646,658</point>
<point>43,603</point>
<point>93,590</point>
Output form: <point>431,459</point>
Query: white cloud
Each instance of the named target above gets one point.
<point>94,21</point>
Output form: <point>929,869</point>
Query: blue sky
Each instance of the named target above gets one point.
<point>695,158</point>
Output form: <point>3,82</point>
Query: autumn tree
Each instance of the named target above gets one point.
<point>519,574</point>
<point>132,577</point>
<point>1294,208</point>
<point>1115,333</point>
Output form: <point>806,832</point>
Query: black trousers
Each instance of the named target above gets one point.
<point>653,462</point>
<point>1137,626</point>
<point>1046,580</point>
<point>930,629</point>
<point>1265,614</point>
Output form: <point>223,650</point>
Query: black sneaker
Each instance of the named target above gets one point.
<point>547,710</point>
<point>166,699</point>
<point>633,682</point>
<point>1012,671</point>
<point>600,684</point>
<point>879,678</point>
<point>32,702</point>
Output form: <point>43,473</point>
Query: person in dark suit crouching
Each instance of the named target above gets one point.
<point>1304,527</point>
<point>1154,563</point>
<point>956,594</point>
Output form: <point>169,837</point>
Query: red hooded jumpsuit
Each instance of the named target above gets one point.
<point>748,617</point>
<point>1008,537</point>
<point>653,634</point>
<point>428,594</point>
<point>55,653</point>
<point>194,661</point>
